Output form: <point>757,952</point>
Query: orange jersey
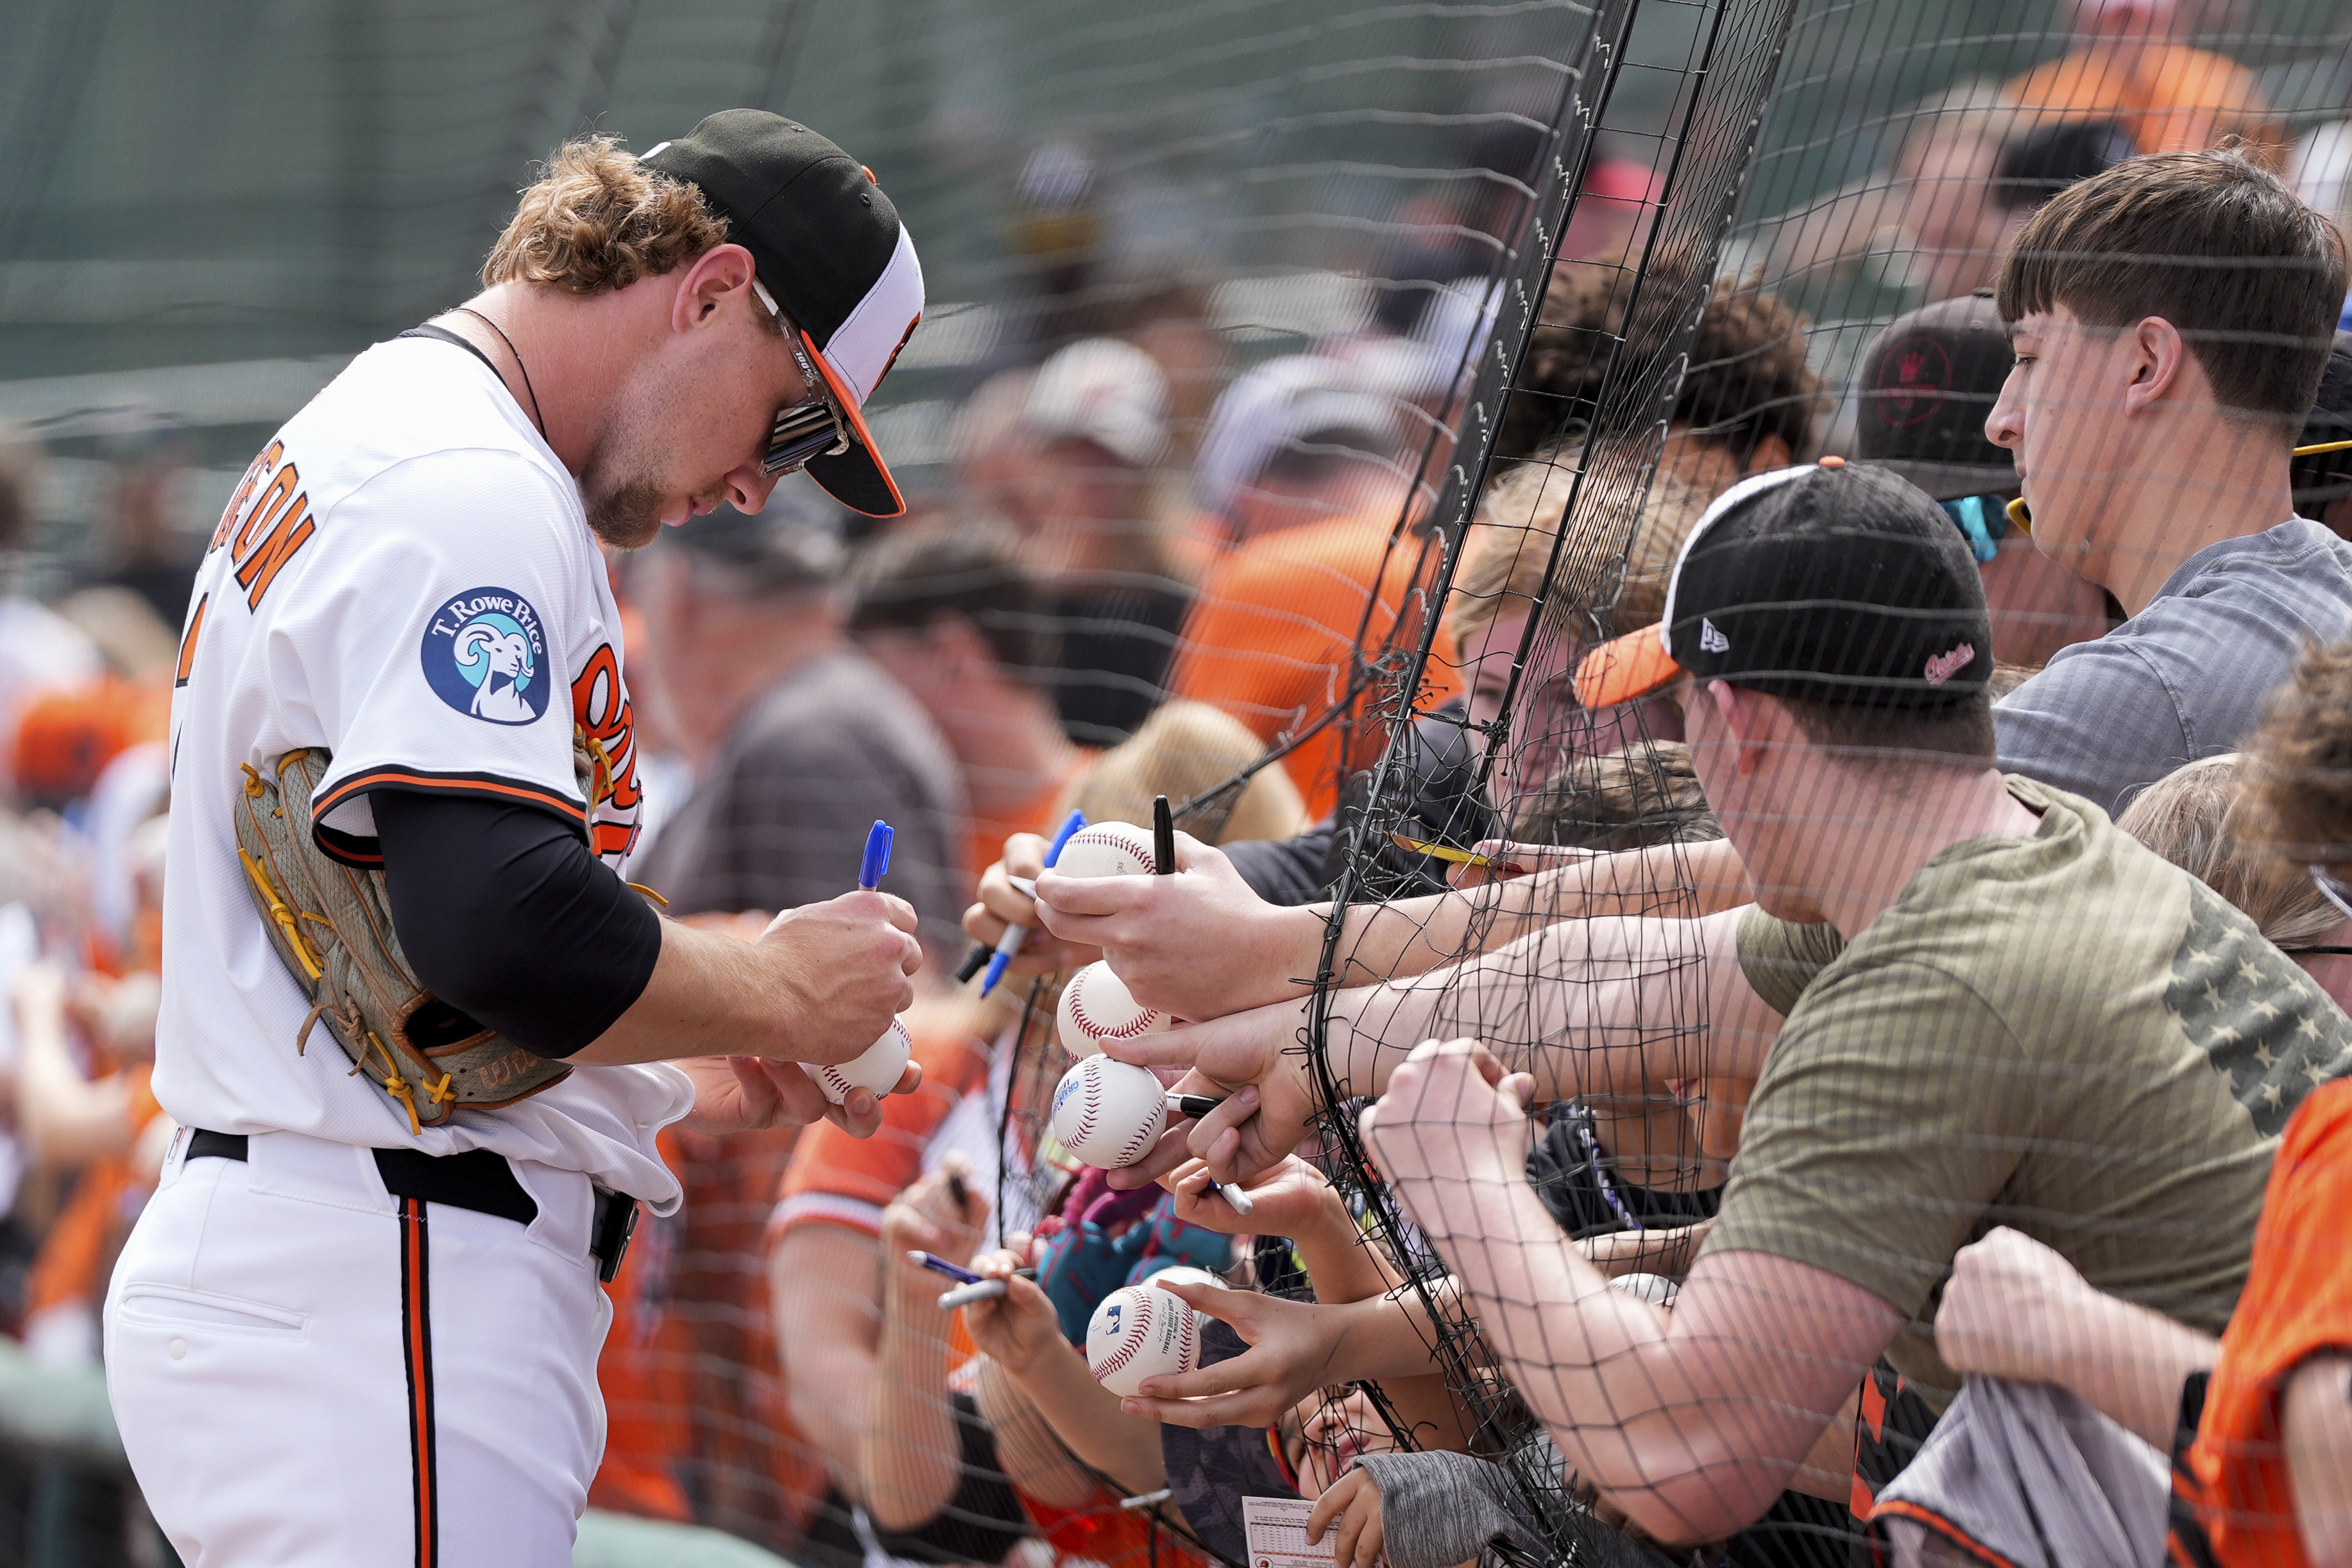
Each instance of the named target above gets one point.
<point>77,1254</point>
<point>2232,1482</point>
<point>1271,639</point>
<point>642,1373</point>
<point>840,1180</point>
<point>1105,1533</point>
<point>2169,97</point>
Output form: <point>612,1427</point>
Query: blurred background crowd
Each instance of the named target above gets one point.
<point>1208,283</point>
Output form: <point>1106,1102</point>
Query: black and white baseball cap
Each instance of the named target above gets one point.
<point>829,246</point>
<point>1828,583</point>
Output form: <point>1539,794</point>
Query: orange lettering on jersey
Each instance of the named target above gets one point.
<point>260,569</point>
<point>259,467</point>
<point>599,705</point>
<point>267,507</point>
<point>188,642</point>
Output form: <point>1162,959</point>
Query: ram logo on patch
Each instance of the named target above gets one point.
<point>485,654</point>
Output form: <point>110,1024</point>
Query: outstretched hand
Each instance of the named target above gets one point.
<point>1292,1346</point>
<point>842,968</point>
<point>739,1094</point>
<point>1198,944</point>
<point>1252,1060</point>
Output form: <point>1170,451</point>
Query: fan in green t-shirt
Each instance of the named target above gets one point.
<point>2034,1022</point>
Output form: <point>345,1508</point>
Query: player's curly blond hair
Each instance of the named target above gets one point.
<point>2299,762</point>
<point>599,220</point>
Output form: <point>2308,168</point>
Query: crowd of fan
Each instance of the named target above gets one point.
<point>2030,1082</point>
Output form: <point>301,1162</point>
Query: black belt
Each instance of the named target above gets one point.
<point>478,1179</point>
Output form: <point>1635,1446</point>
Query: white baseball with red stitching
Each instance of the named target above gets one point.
<point>1107,849</point>
<point>1097,1006</point>
<point>1108,1113</point>
<point>877,1068</point>
<point>1139,1331</point>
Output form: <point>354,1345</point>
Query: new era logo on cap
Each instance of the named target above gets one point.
<point>1827,583</point>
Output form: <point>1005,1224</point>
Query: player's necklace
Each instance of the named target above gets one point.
<point>536,417</point>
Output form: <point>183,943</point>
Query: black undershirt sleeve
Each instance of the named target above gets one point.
<point>504,914</point>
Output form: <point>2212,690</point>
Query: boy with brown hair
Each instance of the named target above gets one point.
<point>2171,318</point>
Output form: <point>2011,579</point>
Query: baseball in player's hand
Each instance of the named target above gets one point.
<point>1002,904</point>
<point>844,968</point>
<point>1182,943</point>
<point>739,1094</point>
<point>1291,1346</point>
<point>1252,1060</point>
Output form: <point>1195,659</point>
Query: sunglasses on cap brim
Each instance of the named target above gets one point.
<point>803,431</point>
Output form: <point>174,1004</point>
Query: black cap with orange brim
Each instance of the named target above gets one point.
<point>1830,583</point>
<point>829,245</point>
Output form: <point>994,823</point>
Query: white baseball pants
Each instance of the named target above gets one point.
<point>308,1371</point>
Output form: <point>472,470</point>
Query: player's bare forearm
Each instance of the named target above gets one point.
<point>820,984</point>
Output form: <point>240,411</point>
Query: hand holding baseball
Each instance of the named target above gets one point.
<point>840,973</point>
<point>1251,1060</point>
<point>743,1094</point>
<point>1181,943</point>
<point>1002,904</point>
<point>1291,1349</point>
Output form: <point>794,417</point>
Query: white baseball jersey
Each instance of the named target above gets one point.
<point>404,576</point>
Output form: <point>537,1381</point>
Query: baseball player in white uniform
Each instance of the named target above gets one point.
<point>356,1326</point>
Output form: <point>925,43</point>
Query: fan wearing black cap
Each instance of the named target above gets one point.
<point>356,1327</point>
<point>1926,383</point>
<point>2033,1021</point>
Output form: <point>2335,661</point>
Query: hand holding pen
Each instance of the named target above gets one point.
<point>970,1287</point>
<point>1015,934</point>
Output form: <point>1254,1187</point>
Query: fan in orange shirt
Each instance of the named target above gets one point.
<point>106,1128</point>
<point>1311,459</point>
<point>2169,97</point>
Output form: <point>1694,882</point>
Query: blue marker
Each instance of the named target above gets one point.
<point>1014,935</point>
<point>871,869</point>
